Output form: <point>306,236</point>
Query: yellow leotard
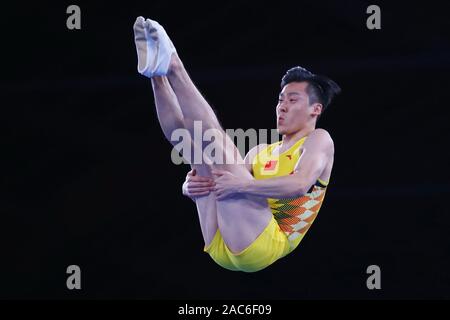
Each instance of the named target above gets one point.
<point>289,224</point>
<point>294,215</point>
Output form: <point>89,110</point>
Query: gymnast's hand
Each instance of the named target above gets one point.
<point>196,186</point>
<point>227,184</point>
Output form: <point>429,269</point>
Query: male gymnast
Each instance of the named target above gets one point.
<point>256,210</point>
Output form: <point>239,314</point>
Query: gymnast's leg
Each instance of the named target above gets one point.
<point>171,118</point>
<point>242,218</point>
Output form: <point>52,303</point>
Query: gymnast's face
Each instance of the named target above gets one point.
<point>293,110</point>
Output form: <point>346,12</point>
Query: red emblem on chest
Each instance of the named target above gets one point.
<point>270,165</point>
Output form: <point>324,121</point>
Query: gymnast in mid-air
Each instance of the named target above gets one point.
<point>256,210</point>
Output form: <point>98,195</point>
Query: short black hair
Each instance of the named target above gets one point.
<point>320,88</point>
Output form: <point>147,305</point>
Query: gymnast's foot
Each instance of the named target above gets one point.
<point>154,48</point>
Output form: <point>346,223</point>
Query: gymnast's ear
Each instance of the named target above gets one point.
<point>317,108</point>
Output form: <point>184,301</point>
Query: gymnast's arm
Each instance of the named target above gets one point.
<point>196,186</point>
<point>318,151</point>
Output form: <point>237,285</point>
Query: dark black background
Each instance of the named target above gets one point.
<point>87,177</point>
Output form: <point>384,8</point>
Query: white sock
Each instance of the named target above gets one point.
<point>154,47</point>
